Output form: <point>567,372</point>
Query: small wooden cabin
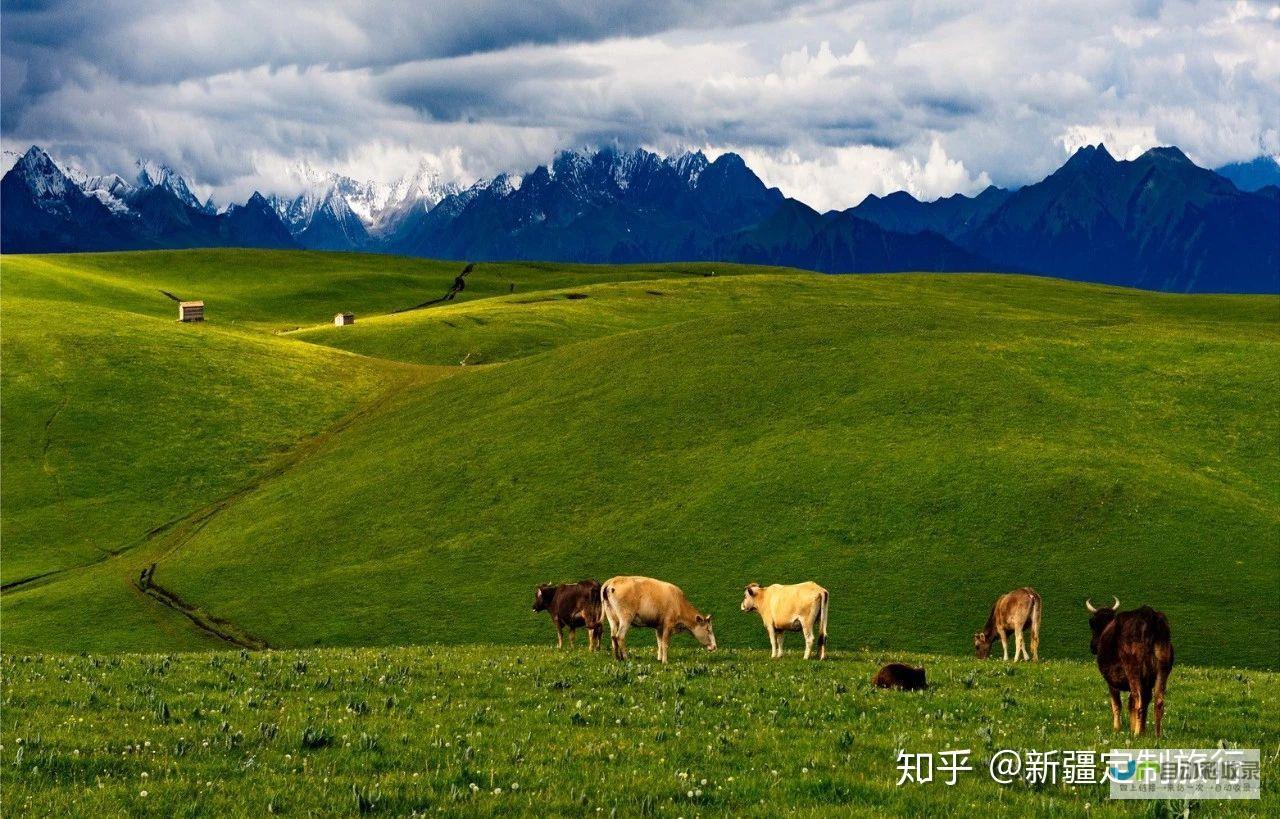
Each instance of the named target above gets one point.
<point>190,311</point>
<point>343,319</point>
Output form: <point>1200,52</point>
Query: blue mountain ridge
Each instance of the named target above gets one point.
<point>1157,222</point>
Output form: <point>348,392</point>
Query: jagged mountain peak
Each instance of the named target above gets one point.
<point>42,175</point>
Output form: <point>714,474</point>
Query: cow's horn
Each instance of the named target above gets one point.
<point>1116,605</point>
<point>1088,604</point>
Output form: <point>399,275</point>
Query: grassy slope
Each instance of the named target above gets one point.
<point>119,420</point>
<point>931,439</point>
<point>917,444</point>
<point>283,290</point>
<point>547,733</point>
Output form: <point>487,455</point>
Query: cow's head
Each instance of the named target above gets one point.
<point>702,631</point>
<point>1099,619</point>
<point>542,597</point>
<point>749,597</point>
<point>981,645</point>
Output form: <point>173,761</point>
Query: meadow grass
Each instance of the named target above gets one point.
<point>532,731</point>
<point>917,443</point>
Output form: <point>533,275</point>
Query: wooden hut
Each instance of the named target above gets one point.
<point>190,311</point>
<point>343,319</point>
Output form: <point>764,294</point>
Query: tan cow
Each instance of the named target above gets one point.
<point>642,601</point>
<point>802,607</point>
<point>1015,611</point>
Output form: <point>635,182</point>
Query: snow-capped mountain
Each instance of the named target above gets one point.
<point>1157,221</point>
<point>50,208</point>
<point>377,208</point>
<point>154,174</point>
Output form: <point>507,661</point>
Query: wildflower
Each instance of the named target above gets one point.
<point>142,793</point>
<point>497,791</point>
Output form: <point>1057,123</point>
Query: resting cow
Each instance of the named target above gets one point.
<point>642,601</point>
<point>572,605</point>
<point>802,607</point>
<point>901,677</point>
<point>1012,612</point>
<point>1135,654</point>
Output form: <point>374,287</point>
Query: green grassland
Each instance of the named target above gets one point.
<point>531,731</point>
<point>916,443</point>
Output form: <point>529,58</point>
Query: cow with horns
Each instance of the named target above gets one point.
<point>1135,654</point>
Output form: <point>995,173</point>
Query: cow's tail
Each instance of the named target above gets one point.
<point>1036,608</point>
<point>824,607</point>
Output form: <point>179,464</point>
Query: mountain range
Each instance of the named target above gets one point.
<point>1158,222</point>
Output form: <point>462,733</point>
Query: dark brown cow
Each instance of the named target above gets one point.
<point>572,605</point>
<point>900,676</point>
<point>1135,654</point>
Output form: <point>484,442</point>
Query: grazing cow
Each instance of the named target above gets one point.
<point>900,676</point>
<point>1014,612</point>
<point>643,601</point>
<point>1135,654</point>
<point>802,607</point>
<point>572,605</point>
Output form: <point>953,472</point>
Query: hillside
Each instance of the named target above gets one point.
<point>917,443</point>
<point>487,730</point>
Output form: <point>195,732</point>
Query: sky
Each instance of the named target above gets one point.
<point>828,100</point>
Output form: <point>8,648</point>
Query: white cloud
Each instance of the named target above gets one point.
<point>1122,141</point>
<point>837,178</point>
<point>828,100</point>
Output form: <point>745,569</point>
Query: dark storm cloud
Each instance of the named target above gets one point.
<point>830,100</point>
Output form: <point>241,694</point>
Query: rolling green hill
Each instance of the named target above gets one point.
<point>915,443</point>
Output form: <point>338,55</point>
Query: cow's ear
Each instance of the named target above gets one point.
<point>752,588</point>
<point>699,619</point>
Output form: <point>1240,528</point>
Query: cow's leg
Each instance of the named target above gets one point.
<point>807,629</point>
<point>1017,645</point>
<point>1136,705</point>
<point>573,634</point>
<point>664,642</point>
<point>780,635</point>
<point>1142,712</point>
<point>559,634</point>
<point>1161,678</point>
<point>1035,641</point>
<point>1004,644</point>
<point>620,639</point>
<point>1115,708</point>
<point>773,640</point>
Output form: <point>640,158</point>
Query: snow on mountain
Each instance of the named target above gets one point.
<point>46,181</point>
<point>109,189</point>
<point>8,159</point>
<point>379,206</point>
<point>153,174</point>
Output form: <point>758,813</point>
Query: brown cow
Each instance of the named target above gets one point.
<point>802,607</point>
<point>1135,654</point>
<point>575,605</point>
<point>900,676</point>
<point>642,601</point>
<point>1012,612</point>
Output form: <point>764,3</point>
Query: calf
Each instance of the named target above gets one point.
<point>900,676</point>
<point>643,601</point>
<point>1012,612</point>
<point>1135,654</point>
<point>575,605</point>
<point>802,607</point>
